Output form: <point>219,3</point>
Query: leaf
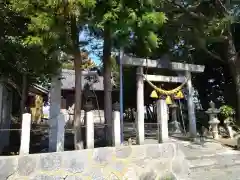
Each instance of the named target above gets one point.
<point>33,40</point>
<point>154,18</point>
<point>153,39</point>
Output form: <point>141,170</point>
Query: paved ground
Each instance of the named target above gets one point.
<point>211,160</point>
<point>232,143</point>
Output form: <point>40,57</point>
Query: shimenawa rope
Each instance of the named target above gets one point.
<point>163,91</point>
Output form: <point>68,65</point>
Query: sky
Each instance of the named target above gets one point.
<point>94,54</point>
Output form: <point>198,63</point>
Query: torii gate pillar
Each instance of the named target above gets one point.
<point>191,107</point>
<point>140,106</point>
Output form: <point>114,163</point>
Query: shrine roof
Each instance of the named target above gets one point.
<point>68,79</point>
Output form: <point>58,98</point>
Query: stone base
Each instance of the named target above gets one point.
<point>174,128</point>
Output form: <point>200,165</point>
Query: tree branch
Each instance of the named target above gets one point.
<point>223,6</point>
<point>189,12</point>
<point>213,55</point>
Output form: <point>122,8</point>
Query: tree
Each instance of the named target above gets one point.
<point>206,27</point>
<point>55,25</point>
<point>199,32</point>
<point>16,58</point>
<point>116,22</point>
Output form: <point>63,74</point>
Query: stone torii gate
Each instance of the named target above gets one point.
<point>184,70</point>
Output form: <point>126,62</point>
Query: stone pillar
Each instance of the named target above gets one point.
<point>229,128</point>
<point>140,106</point>
<point>25,134</point>
<point>162,119</point>
<point>55,108</point>
<point>191,107</point>
<point>116,125</point>
<point>174,125</point>
<point>89,122</point>
<point>60,132</point>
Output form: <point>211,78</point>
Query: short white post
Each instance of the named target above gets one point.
<point>89,122</point>
<point>25,134</point>
<point>116,125</point>
<point>162,119</point>
<point>60,132</point>
<point>140,106</point>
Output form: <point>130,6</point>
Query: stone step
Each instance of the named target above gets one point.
<point>219,160</point>
<point>224,173</point>
<point>217,166</point>
<point>211,161</point>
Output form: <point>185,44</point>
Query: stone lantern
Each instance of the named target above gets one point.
<point>213,120</point>
<point>87,92</point>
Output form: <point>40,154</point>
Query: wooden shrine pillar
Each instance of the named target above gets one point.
<point>191,106</point>
<point>140,106</point>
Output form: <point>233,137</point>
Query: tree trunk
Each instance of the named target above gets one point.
<point>107,47</point>
<point>235,71</point>
<point>78,102</point>
<point>237,84</point>
<point>78,140</point>
<point>24,95</point>
<point>234,64</point>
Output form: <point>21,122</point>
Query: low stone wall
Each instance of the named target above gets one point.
<point>145,162</point>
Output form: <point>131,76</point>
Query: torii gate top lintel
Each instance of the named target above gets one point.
<point>162,64</point>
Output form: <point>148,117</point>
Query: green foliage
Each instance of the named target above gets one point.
<point>87,63</point>
<point>199,25</point>
<point>51,27</point>
<point>227,111</point>
<point>68,66</point>
<point>153,19</point>
<point>54,24</point>
<point>134,22</point>
<point>16,56</point>
<point>115,71</point>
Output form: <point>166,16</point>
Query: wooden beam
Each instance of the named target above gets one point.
<point>160,78</point>
<point>162,64</point>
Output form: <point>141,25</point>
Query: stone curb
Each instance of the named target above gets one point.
<point>138,161</point>
<point>214,160</point>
